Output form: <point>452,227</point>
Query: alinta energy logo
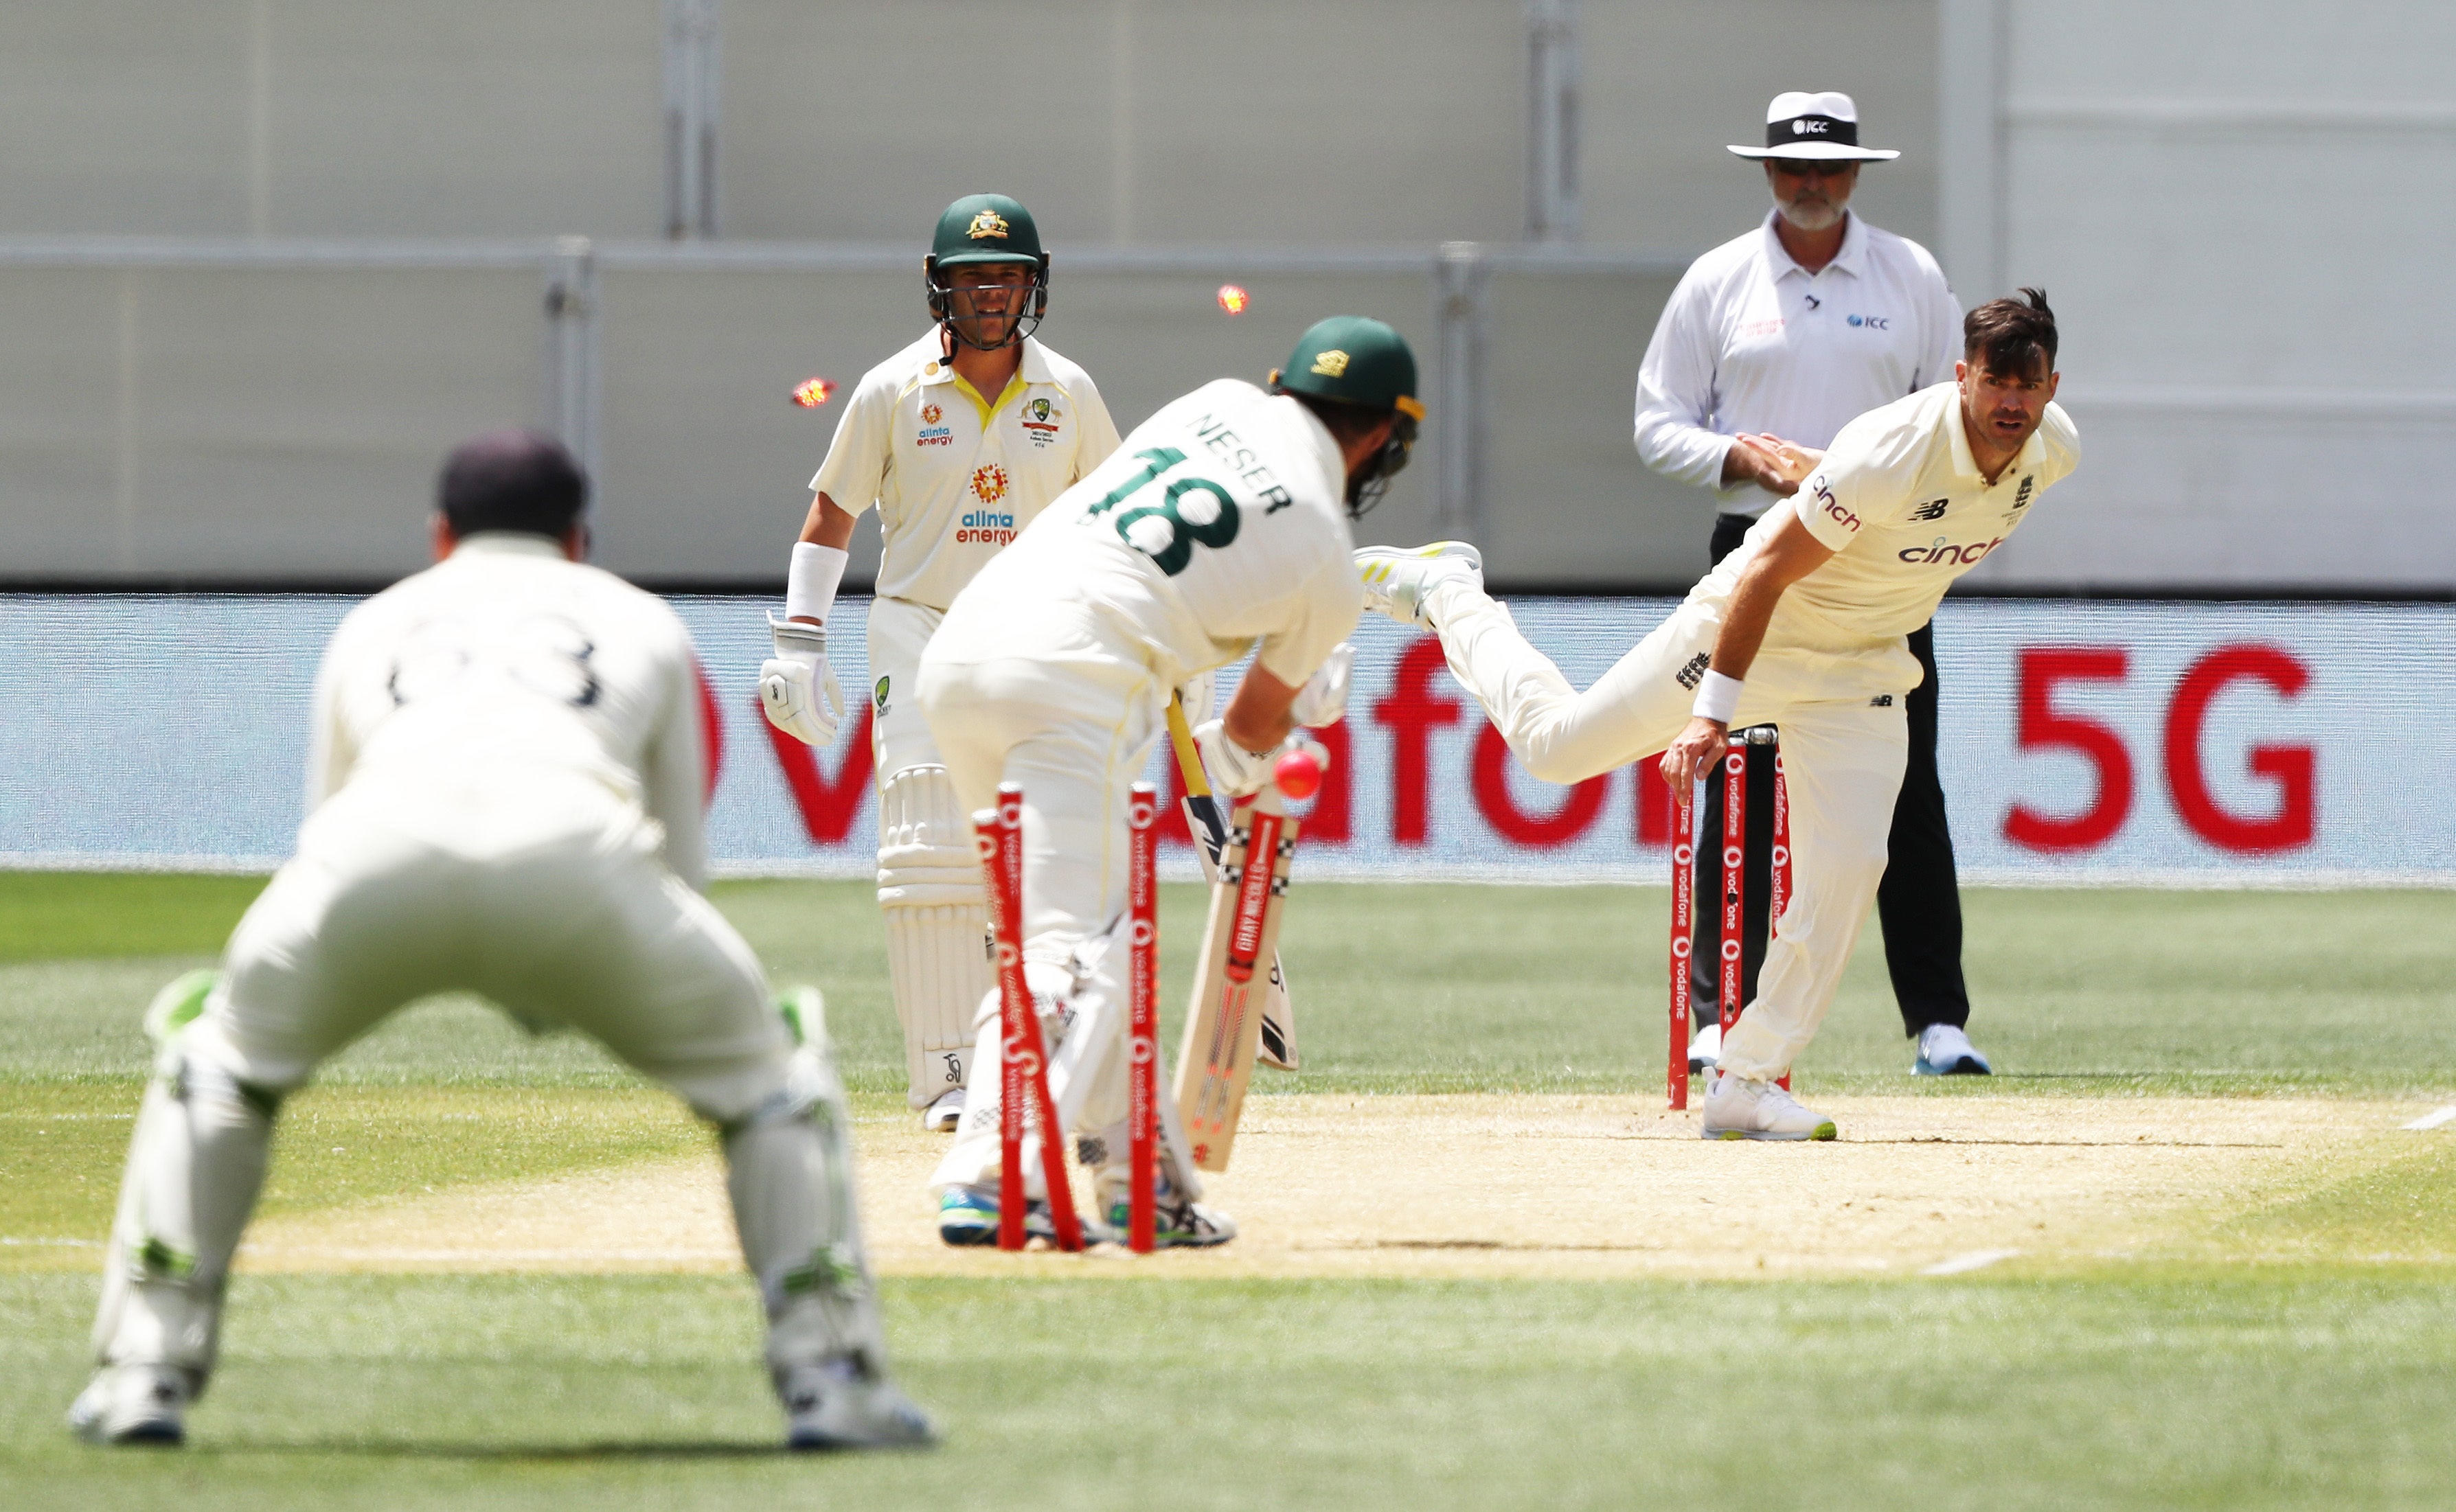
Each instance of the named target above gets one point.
<point>987,527</point>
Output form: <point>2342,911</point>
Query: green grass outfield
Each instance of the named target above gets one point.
<point>2108,1384</point>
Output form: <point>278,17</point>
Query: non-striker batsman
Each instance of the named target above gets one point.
<point>959,440</point>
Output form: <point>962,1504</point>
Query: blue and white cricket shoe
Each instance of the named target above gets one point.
<point>967,1217</point>
<point>1945,1051</point>
<point>1397,581</point>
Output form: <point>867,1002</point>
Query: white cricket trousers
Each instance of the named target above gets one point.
<point>546,894</point>
<point>1844,742</point>
<point>1054,699</point>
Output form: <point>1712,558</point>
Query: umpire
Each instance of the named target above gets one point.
<point>1773,342</point>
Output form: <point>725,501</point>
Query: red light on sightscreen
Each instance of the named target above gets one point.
<point>1232,298</point>
<point>811,393</point>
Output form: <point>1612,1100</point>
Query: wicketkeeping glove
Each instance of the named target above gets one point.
<point>790,684</point>
<point>1323,699</point>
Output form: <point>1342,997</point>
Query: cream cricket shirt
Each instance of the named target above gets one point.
<point>956,475</point>
<point>1221,521</point>
<point>1751,341</point>
<point>1899,500</point>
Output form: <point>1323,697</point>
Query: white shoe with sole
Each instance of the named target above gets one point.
<point>1945,1051</point>
<point>945,1113</point>
<point>1396,580</point>
<point>132,1404</point>
<point>839,1405</point>
<point>1706,1048</point>
<point>1738,1109</point>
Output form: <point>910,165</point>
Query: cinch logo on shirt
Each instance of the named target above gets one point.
<point>1832,506</point>
<point>1938,550</point>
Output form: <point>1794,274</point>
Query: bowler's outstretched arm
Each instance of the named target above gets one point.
<point>1788,555</point>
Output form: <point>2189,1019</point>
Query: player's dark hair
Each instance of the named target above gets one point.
<point>1348,424</point>
<point>512,480</point>
<point>2009,336</point>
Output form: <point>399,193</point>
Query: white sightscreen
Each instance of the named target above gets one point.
<point>2211,745</point>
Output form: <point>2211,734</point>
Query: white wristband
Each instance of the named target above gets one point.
<point>810,584</point>
<point>1718,698</point>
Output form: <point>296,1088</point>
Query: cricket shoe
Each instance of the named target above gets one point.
<point>1176,1224</point>
<point>1706,1048</point>
<point>967,1218</point>
<point>841,1405</point>
<point>1740,1109</point>
<point>135,1404</point>
<point>945,1113</point>
<point>1398,582</point>
<point>1945,1051</point>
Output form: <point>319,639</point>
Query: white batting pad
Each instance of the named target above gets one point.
<point>194,1167</point>
<point>789,1174</point>
<point>929,889</point>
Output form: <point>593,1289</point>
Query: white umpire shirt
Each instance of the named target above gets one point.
<point>1751,341</point>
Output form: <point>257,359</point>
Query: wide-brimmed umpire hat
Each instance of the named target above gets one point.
<point>1819,125</point>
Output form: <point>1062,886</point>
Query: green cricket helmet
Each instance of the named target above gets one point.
<point>1356,361</point>
<point>986,229</point>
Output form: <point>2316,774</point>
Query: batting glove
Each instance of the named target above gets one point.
<point>1234,769</point>
<point>790,684</point>
<point>1195,696</point>
<point>1323,699</point>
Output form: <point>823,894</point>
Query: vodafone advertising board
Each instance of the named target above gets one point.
<point>2083,742</point>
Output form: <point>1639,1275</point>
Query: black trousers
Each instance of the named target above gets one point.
<point>1918,903</point>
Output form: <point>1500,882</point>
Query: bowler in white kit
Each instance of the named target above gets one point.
<point>504,797</point>
<point>1803,627</point>
<point>959,440</point>
<point>1221,525</point>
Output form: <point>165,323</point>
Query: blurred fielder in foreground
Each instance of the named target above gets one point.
<point>1220,525</point>
<point>504,797</point>
<point>1803,627</point>
<point>960,439</point>
<point>1774,341</point>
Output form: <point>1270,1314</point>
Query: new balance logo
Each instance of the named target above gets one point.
<point>1882,701</point>
<point>1694,672</point>
<point>1933,509</point>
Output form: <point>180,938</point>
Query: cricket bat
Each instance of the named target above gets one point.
<point>1223,1025</point>
<point>1204,816</point>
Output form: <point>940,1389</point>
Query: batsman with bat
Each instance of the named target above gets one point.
<point>1221,524</point>
<point>959,440</point>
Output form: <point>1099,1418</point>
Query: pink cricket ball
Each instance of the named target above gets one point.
<point>1298,775</point>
